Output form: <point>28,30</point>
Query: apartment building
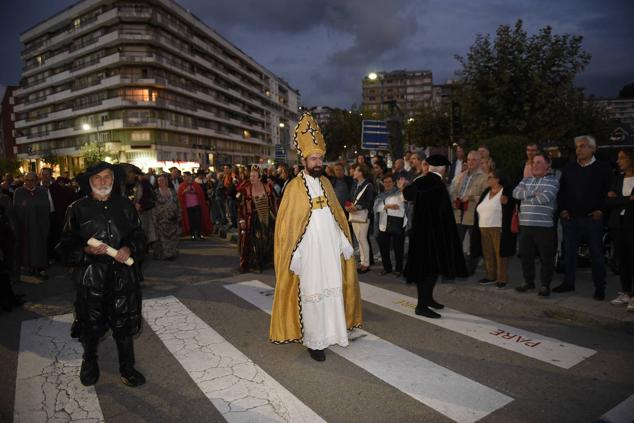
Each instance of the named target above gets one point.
<point>619,109</point>
<point>411,90</point>
<point>7,139</point>
<point>151,82</point>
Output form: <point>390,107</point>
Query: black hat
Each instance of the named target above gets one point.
<point>437,160</point>
<point>84,178</point>
<point>129,168</point>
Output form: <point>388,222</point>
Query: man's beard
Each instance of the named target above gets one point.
<point>101,191</point>
<point>316,171</point>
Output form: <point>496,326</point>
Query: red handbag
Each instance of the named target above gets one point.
<point>515,221</point>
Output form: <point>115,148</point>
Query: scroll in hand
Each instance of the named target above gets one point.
<point>110,251</point>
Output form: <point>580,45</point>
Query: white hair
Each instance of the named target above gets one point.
<point>591,141</point>
<point>438,169</point>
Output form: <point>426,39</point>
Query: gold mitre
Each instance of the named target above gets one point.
<point>308,137</point>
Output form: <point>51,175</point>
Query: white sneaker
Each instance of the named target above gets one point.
<point>622,299</point>
<point>630,306</point>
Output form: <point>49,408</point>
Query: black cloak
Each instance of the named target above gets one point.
<point>108,292</point>
<point>434,246</point>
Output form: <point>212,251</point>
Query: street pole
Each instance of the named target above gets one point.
<point>395,125</point>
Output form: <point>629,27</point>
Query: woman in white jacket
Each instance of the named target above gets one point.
<point>390,206</point>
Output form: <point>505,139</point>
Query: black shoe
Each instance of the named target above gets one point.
<point>564,287</point>
<point>500,285</point>
<point>201,237</point>
<point>131,377</point>
<point>363,270</point>
<point>397,274</point>
<point>599,294</point>
<point>426,312</point>
<point>525,287</point>
<point>485,281</point>
<point>89,373</point>
<point>193,237</point>
<point>544,291</point>
<point>437,306</point>
<point>385,272</point>
<point>317,355</point>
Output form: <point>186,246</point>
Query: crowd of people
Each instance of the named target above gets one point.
<point>306,220</point>
<point>503,218</point>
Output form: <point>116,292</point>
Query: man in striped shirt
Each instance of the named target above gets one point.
<point>538,196</point>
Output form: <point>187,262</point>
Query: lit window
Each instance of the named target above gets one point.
<point>246,134</point>
<point>77,23</point>
<point>140,136</point>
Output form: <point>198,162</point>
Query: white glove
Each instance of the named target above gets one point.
<point>296,263</point>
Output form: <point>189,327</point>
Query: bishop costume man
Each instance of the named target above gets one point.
<point>317,297</point>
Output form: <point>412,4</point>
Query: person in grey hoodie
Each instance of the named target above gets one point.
<point>538,196</point>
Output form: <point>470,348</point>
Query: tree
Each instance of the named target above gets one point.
<point>342,132</point>
<point>9,166</point>
<point>51,159</point>
<point>627,91</point>
<point>93,153</point>
<point>521,84</point>
<point>431,126</point>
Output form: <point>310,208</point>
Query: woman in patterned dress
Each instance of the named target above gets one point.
<point>256,212</point>
<point>167,220</point>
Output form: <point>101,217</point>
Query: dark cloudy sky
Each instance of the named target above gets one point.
<point>324,48</point>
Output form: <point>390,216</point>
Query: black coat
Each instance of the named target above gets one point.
<point>434,246</point>
<point>108,292</point>
<point>508,240</point>
<point>616,205</point>
<point>366,201</point>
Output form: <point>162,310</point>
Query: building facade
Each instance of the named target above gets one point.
<point>152,83</point>
<point>619,109</point>
<point>411,90</point>
<point>7,138</point>
<point>321,114</point>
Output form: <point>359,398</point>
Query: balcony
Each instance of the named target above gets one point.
<point>108,17</point>
<point>135,13</point>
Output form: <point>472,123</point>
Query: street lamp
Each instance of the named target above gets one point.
<point>87,127</point>
<point>372,76</point>
<point>282,125</point>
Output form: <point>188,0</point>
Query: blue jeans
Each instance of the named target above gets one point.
<point>575,230</point>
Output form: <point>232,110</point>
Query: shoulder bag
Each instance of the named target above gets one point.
<point>359,216</point>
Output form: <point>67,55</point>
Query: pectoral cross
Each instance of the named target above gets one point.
<point>320,202</point>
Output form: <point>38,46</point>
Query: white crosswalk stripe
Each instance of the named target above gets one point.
<point>530,344</point>
<point>455,396</point>
<point>47,383</point>
<point>622,413</point>
<point>48,386</point>
<point>236,386</point>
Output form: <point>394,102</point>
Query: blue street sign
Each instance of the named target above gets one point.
<point>375,135</point>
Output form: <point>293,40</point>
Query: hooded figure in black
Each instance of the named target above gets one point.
<point>434,247</point>
<point>108,291</point>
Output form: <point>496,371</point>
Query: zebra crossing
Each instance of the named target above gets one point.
<point>48,387</point>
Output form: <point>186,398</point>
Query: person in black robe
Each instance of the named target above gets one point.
<point>32,208</point>
<point>434,247</point>
<point>8,299</point>
<point>108,291</point>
